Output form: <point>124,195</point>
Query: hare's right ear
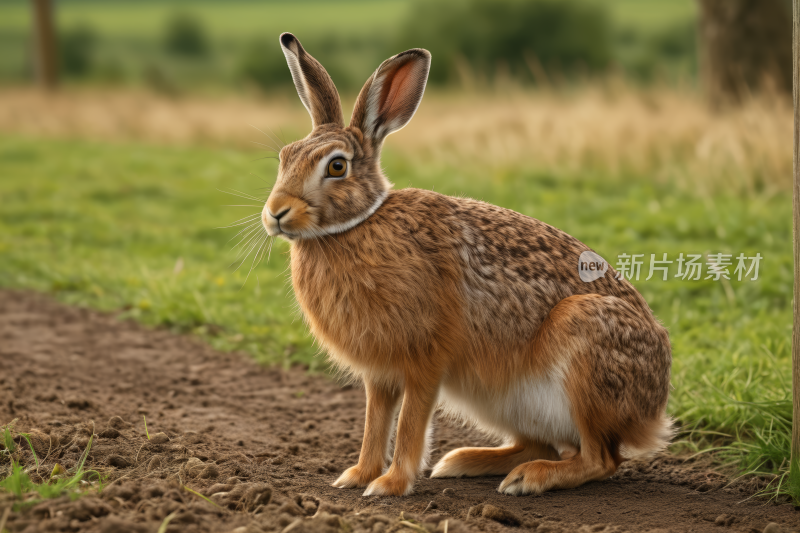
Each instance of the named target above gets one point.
<point>392,94</point>
<point>314,86</point>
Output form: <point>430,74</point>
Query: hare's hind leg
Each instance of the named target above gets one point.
<point>617,381</point>
<point>592,462</point>
<point>473,462</point>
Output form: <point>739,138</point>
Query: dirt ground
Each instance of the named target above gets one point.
<point>265,444</point>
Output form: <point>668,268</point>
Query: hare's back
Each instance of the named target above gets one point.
<point>515,268</point>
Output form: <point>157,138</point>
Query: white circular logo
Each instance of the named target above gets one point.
<point>591,266</point>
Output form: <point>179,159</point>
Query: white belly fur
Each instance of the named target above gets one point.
<point>535,407</point>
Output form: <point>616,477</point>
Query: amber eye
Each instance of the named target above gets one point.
<point>337,167</point>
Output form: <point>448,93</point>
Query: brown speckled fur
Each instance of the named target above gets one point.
<point>434,300</point>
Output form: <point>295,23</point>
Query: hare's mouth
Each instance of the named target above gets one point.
<point>277,231</point>
<point>277,227</point>
<point>289,230</point>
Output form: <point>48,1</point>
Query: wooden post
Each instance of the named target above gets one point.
<point>45,44</point>
<point>794,475</point>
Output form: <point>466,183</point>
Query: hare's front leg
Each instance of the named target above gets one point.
<point>419,399</point>
<point>381,409</point>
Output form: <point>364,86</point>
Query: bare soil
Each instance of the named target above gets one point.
<point>264,445</point>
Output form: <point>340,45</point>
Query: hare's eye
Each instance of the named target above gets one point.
<point>337,167</point>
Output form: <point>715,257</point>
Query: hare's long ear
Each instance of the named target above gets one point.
<point>392,94</point>
<point>314,85</point>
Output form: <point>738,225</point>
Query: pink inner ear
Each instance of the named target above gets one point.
<point>396,84</point>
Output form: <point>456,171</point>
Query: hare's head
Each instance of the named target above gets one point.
<point>331,180</point>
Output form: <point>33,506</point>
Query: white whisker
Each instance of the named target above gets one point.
<point>323,254</point>
<point>248,219</point>
<point>247,216</point>
<point>280,143</point>
<point>262,179</point>
<point>241,194</point>
<point>253,247</point>
<point>250,227</point>
<point>246,250</point>
<point>253,264</point>
<point>245,242</point>
<point>248,194</point>
<point>264,249</point>
<point>271,147</point>
<point>331,248</point>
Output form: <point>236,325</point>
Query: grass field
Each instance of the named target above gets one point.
<point>133,226</point>
<point>233,19</point>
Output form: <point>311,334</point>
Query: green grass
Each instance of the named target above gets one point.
<point>16,479</point>
<point>132,228</point>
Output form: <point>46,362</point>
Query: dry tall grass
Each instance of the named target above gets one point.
<point>669,134</point>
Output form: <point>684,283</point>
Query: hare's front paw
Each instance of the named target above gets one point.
<point>355,476</point>
<point>390,484</point>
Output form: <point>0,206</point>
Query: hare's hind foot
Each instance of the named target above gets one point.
<point>540,476</point>
<point>473,462</point>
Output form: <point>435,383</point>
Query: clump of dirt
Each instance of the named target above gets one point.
<point>236,447</point>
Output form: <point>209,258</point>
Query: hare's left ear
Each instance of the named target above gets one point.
<point>314,86</point>
<point>392,94</point>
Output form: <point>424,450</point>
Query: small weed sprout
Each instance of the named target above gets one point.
<point>163,527</point>
<point>27,438</point>
<point>187,489</point>
<point>61,481</point>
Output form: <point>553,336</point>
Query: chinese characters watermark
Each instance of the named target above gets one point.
<point>691,267</point>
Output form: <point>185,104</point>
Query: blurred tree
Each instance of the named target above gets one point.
<point>185,35</point>
<point>745,45</point>
<point>45,45</point>
<point>76,50</point>
<point>669,52</point>
<point>263,65</point>
<point>527,38</point>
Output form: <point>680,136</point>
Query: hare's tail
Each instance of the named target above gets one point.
<point>652,437</point>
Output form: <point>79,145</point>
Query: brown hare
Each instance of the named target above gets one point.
<point>434,301</point>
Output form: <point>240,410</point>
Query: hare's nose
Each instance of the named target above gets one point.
<point>281,214</point>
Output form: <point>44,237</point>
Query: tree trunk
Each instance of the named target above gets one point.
<point>45,44</point>
<point>745,46</point>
